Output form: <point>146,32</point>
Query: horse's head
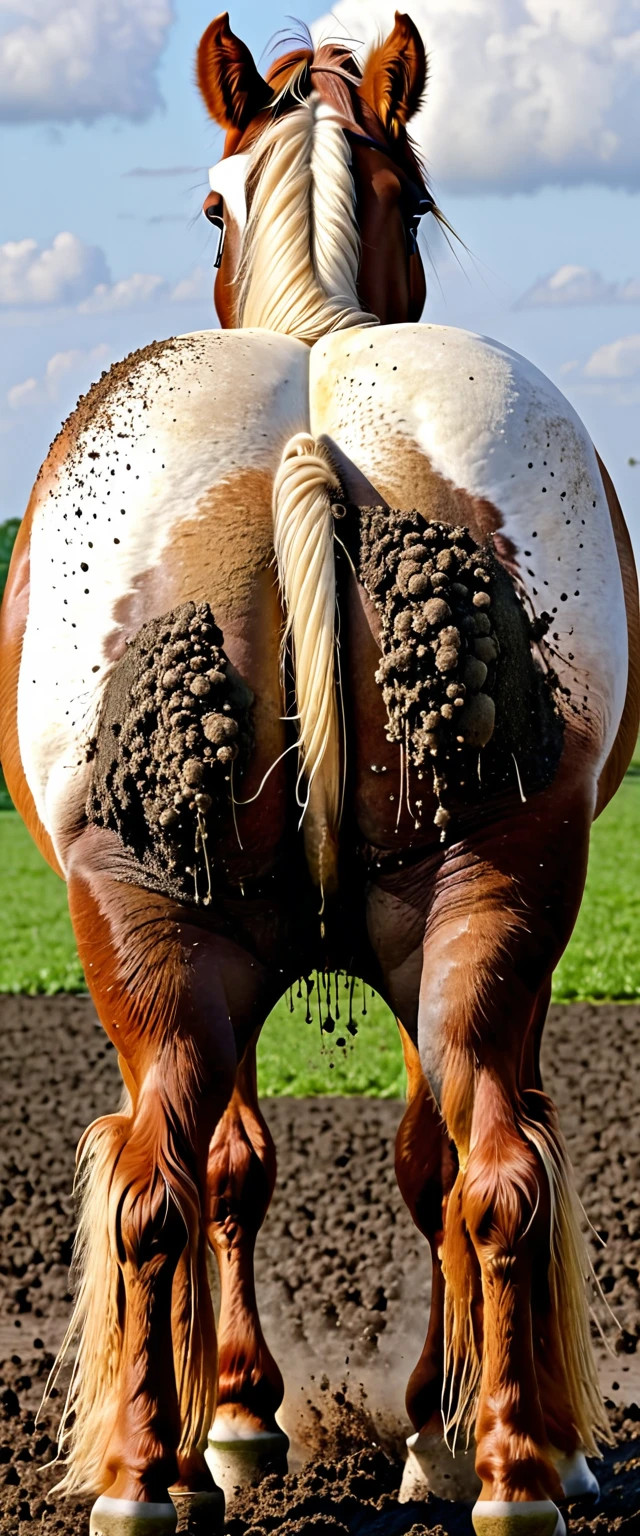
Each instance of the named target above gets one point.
<point>319,192</point>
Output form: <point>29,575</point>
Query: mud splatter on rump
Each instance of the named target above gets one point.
<point>118,378</point>
<point>175,718</point>
<point>463,693</point>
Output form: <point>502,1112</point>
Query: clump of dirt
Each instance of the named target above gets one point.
<point>175,718</point>
<point>356,1494</point>
<point>446,608</point>
<point>28,1452</point>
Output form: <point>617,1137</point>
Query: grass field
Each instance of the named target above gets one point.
<point>601,962</point>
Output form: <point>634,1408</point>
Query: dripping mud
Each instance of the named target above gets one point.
<point>175,719</point>
<point>458,673</point>
<point>342,1274</point>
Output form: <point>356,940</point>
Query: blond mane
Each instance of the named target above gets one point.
<point>301,247</point>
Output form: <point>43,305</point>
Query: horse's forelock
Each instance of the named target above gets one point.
<point>336,74</point>
<point>330,70</point>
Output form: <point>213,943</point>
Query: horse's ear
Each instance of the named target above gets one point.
<point>395,76</point>
<point>233,89</point>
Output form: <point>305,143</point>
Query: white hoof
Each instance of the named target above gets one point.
<point>575,1474</point>
<point>498,1517</point>
<point>128,1517</point>
<point>200,1511</point>
<point>432,1468</point>
<point>234,1455</point>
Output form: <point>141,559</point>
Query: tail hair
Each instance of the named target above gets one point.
<point>570,1276</point>
<point>305,488</point>
<point>570,1273</point>
<point>89,1414</point>
<point>462,1357</point>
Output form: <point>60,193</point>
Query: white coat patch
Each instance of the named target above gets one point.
<point>102,535</point>
<point>491,424</point>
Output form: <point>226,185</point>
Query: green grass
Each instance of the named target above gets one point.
<point>37,952</point>
<point>294,1058</point>
<point>601,962</point>
<point>603,958</point>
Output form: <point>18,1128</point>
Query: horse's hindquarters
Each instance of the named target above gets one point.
<point>472,435</point>
<point>160,494</point>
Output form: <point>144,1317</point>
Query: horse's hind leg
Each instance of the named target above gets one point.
<point>240,1180</point>
<point>425,1171</point>
<point>560,1420</point>
<point>426,1168</point>
<point>498,922</point>
<point>144,1382</point>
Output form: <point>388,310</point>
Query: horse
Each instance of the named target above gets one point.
<point>320,650</point>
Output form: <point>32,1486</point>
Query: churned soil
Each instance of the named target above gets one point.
<point>343,1277</point>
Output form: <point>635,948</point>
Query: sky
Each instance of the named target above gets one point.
<point>531,134</point>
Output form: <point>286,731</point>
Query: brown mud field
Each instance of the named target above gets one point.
<point>343,1276</point>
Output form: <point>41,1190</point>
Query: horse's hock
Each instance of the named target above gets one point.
<point>176,718</point>
<point>457,672</point>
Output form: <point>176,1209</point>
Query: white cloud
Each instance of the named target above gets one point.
<point>522,92</point>
<point>578,285</point>
<point>63,60</point>
<point>616,360</point>
<point>68,272</point>
<point>198,285</point>
<point>143,289</point>
<point>65,375</point>
<point>26,393</point>
<point>130,293</point>
<point>61,273</point>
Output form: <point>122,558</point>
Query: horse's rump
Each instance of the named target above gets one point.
<point>162,496</point>
<point>473,436</point>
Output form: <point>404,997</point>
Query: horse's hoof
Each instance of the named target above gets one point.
<point>235,1458</point>
<point>497,1517</point>
<point>128,1517</point>
<point>200,1511</point>
<point>431,1468</point>
<point>578,1481</point>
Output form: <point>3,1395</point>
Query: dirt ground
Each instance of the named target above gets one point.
<point>343,1277</point>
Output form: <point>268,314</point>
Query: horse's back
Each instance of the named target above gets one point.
<point>469,433</point>
<point>157,492</point>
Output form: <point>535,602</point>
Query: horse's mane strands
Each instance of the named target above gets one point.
<point>301,249</point>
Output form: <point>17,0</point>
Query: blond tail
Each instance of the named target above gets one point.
<point>304,545</point>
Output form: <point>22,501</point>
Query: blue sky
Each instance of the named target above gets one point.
<point>532,136</point>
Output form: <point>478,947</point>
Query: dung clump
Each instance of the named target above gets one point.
<point>175,720</point>
<point>432,586</point>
